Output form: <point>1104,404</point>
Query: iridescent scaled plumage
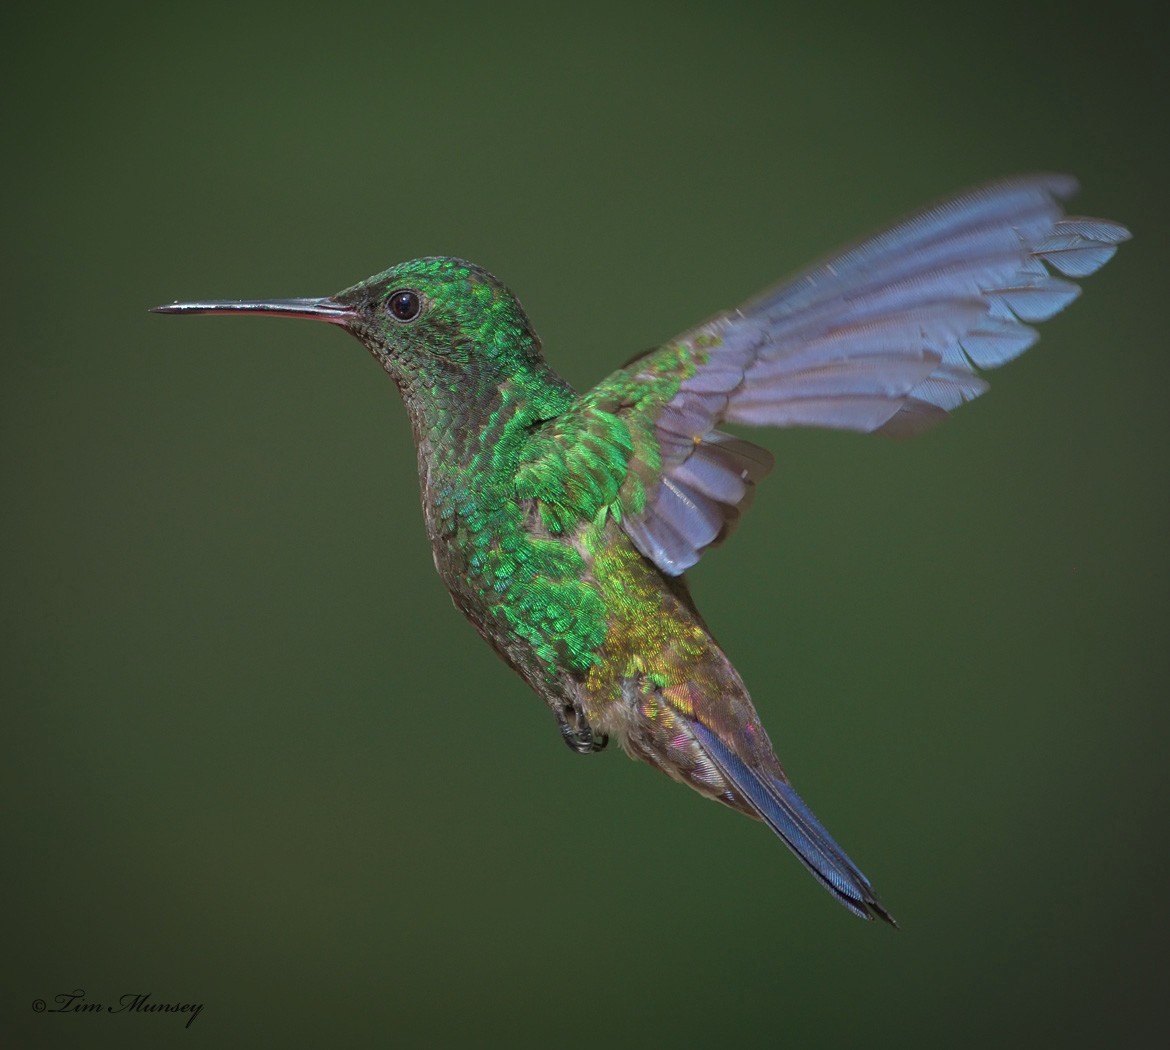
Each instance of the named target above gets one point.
<point>561,524</point>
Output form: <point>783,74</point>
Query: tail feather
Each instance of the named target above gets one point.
<point>783,810</point>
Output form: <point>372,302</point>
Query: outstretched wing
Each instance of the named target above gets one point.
<point>885,336</point>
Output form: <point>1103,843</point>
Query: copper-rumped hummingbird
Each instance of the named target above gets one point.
<point>562,523</point>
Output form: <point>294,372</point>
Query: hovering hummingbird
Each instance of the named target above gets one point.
<point>562,523</point>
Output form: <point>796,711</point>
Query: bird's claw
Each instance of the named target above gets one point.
<point>581,736</point>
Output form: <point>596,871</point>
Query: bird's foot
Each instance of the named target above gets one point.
<point>579,734</point>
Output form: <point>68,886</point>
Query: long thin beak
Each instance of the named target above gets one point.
<point>314,309</point>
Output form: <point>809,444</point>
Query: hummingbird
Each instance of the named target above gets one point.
<point>562,524</point>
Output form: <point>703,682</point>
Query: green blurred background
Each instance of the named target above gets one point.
<point>255,759</point>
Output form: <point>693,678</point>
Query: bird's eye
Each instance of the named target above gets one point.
<point>403,306</point>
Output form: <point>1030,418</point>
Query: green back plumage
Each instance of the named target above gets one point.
<point>519,475</point>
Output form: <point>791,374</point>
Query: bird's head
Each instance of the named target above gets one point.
<point>428,322</point>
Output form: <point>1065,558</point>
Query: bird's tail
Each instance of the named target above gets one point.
<point>783,810</point>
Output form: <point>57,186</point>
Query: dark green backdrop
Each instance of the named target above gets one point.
<point>252,756</point>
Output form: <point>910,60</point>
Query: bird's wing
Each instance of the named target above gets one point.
<point>885,336</point>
